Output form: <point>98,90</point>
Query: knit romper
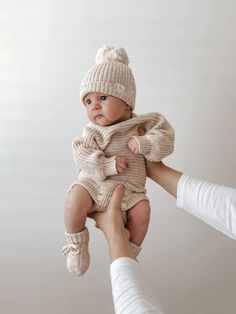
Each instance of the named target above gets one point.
<point>96,151</point>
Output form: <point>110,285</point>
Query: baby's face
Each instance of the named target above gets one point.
<point>105,110</point>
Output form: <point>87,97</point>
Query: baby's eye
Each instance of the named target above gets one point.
<point>87,101</point>
<point>103,97</point>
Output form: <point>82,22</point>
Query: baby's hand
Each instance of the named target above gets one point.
<point>121,164</point>
<point>141,131</point>
<point>133,146</point>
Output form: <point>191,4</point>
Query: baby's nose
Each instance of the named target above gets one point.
<point>96,105</point>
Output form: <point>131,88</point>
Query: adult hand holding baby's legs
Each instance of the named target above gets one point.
<point>112,225</point>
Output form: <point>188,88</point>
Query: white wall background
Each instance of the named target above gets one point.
<point>183,56</point>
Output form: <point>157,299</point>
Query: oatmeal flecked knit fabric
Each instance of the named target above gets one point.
<point>77,253</point>
<point>95,156</point>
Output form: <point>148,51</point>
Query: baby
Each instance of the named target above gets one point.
<point>111,152</point>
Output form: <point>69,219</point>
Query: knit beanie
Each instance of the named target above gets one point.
<point>111,75</point>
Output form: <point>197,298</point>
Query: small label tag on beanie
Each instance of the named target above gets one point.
<point>120,88</point>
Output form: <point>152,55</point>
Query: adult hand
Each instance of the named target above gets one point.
<point>111,220</point>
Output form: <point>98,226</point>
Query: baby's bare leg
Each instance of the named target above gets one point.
<point>137,221</point>
<point>78,204</point>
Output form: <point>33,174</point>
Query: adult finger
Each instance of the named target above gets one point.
<point>115,202</point>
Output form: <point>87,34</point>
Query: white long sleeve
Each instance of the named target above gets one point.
<point>212,203</point>
<point>130,288</point>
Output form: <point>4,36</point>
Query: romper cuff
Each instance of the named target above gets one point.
<point>144,144</point>
<point>110,166</point>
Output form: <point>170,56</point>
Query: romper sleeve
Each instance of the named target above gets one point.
<point>91,159</point>
<point>158,142</point>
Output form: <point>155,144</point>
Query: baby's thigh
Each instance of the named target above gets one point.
<point>140,212</point>
<point>78,196</point>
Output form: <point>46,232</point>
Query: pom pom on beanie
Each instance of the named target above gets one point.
<point>106,54</point>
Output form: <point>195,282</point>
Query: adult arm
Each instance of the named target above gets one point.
<point>165,176</point>
<point>130,288</point>
<point>214,204</point>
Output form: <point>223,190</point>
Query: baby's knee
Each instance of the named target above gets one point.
<point>140,213</point>
<point>78,200</point>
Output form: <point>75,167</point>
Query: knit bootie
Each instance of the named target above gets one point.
<point>77,252</point>
<point>135,249</point>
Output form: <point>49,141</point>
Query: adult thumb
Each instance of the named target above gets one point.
<point>116,199</point>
